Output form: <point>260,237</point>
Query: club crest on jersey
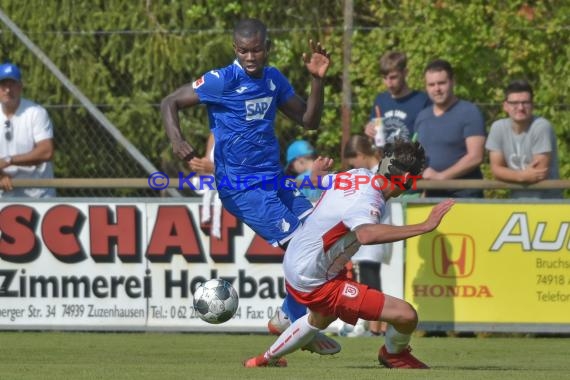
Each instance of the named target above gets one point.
<point>198,82</point>
<point>271,85</point>
<point>284,225</point>
<point>257,108</point>
<point>350,291</point>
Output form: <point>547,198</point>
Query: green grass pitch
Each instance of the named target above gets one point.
<point>75,355</point>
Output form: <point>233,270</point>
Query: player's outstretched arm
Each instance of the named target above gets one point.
<point>318,62</point>
<point>309,114</point>
<point>386,233</point>
<point>437,213</point>
<point>183,97</point>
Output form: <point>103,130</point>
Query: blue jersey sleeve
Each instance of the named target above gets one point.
<point>210,86</point>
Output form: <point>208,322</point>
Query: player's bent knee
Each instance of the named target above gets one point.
<point>320,321</point>
<point>403,317</point>
<point>409,315</point>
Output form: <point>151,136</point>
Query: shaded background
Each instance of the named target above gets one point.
<point>126,56</point>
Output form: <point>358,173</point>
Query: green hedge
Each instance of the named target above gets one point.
<point>126,56</point>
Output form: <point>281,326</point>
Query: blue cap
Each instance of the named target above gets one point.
<point>299,148</point>
<point>10,71</point>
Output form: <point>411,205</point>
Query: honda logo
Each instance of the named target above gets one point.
<point>453,255</point>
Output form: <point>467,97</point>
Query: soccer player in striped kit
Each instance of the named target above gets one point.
<point>345,218</point>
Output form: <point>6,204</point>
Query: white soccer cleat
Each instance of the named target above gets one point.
<point>360,334</point>
<point>360,330</point>
<point>323,345</point>
<point>345,329</point>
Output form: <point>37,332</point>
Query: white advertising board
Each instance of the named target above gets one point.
<point>129,265</point>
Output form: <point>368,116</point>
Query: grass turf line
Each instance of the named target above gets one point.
<point>77,355</point>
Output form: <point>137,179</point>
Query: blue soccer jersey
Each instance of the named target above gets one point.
<point>242,110</point>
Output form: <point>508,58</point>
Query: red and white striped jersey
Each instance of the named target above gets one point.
<point>309,260</point>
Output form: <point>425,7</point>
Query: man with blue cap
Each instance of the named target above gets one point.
<point>26,141</point>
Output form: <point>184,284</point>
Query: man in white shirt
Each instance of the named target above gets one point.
<point>346,217</point>
<point>26,141</point>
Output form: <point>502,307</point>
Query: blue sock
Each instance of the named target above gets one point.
<point>293,309</point>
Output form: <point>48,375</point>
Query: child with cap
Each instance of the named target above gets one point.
<point>300,159</point>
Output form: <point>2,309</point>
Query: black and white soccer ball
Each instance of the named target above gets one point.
<point>215,301</point>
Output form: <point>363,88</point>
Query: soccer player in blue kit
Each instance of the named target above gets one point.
<point>242,100</point>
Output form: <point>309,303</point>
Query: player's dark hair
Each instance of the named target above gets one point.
<point>249,28</point>
<point>440,65</point>
<point>402,156</point>
<point>519,85</point>
<point>359,144</point>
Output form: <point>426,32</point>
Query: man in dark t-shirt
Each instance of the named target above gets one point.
<point>452,133</point>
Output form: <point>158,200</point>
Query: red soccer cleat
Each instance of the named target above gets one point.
<point>260,361</point>
<point>403,359</point>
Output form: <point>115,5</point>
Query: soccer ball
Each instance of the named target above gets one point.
<point>215,301</point>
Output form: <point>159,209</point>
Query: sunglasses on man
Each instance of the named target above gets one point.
<point>8,130</point>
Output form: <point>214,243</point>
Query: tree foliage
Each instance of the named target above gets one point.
<point>126,56</point>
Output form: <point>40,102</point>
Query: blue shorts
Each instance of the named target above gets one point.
<point>272,213</point>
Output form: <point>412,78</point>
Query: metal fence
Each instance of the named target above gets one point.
<point>85,148</point>
<point>86,129</point>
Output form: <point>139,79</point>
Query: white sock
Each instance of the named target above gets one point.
<point>395,341</point>
<point>217,217</point>
<point>296,336</point>
<point>206,204</point>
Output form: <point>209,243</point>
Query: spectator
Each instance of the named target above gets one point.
<point>204,167</point>
<point>26,146</point>
<point>522,147</point>
<point>300,159</point>
<point>399,105</point>
<point>367,261</point>
<point>452,133</point>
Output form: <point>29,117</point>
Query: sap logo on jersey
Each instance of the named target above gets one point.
<point>257,108</point>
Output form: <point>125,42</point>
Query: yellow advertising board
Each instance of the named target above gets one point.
<point>491,263</point>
